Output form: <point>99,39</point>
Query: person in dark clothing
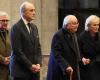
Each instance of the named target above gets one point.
<point>89,41</point>
<point>63,57</point>
<point>25,62</point>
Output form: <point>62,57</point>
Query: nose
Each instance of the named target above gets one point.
<point>34,12</point>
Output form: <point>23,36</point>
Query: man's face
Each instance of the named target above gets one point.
<point>29,12</point>
<point>72,26</point>
<point>4,22</point>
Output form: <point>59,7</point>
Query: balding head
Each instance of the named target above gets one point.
<point>24,6</point>
<point>69,19</point>
<point>70,23</point>
<point>4,16</point>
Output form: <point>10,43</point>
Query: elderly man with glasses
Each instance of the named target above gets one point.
<point>4,46</point>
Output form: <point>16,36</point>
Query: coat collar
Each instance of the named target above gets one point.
<point>68,39</point>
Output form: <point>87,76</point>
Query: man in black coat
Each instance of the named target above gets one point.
<point>63,59</point>
<point>26,51</point>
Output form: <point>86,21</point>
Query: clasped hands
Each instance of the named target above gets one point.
<point>35,68</point>
<point>85,61</point>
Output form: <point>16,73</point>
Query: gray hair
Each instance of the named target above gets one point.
<point>67,20</point>
<point>2,13</point>
<point>23,7</point>
<point>89,20</point>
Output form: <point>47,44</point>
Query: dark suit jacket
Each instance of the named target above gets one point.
<point>62,55</point>
<point>26,49</point>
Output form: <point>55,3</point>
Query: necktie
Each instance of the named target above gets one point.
<point>29,25</point>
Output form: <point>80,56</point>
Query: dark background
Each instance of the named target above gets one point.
<point>80,8</point>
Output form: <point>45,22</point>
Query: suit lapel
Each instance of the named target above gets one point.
<point>32,34</point>
<point>24,29</point>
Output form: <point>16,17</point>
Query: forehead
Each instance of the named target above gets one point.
<point>72,19</point>
<point>3,17</point>
<point>95,21</point>
<point>29,6</point>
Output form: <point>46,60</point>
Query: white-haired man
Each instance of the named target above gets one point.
<point>4,46</point>
<point>26,51</point>
<point>89,41</point>
<point>63,57</point>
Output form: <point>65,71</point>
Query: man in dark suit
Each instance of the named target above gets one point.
<point>64,58</point>
<point>26,51</point>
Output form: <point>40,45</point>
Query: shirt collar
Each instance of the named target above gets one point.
<point>25,21</point>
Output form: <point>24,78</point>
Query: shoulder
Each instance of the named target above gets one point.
<point>34,26</point>
<point>16,27</point>
<point>83,36</point>
<point>58,35</point>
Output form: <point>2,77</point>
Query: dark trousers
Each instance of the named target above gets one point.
<point>33,77</point>
<point>15,78</point>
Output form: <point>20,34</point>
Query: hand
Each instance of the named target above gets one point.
<point>85,61</point>
<point>38,67</point>
<point>69,70</point>
<point>35,68</point>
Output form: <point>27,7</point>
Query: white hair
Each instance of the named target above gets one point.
<point>23,7</point>
<point>2,13</point>
<point>67,20</point>
<point>89,20</point>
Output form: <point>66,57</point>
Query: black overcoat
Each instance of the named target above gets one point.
<point>90,48</point>
<point>62,55</point>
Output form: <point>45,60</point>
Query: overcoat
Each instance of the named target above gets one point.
<point>5,51</point>
<point>90,48</point>
<point>63,55</point>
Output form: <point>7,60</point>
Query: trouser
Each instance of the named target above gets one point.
<point>33,77</point>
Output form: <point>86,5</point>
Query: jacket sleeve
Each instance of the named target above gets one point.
<point>1,58</point>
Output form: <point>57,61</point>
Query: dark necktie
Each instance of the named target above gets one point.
<point>29,25</point>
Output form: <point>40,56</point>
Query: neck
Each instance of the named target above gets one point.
<point>93,34</point>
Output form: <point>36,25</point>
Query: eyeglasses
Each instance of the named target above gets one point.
<point>4,20</point>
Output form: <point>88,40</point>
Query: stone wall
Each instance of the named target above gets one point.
<point>46,20</point>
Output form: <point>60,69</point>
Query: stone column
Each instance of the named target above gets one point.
<point>49,25</point>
